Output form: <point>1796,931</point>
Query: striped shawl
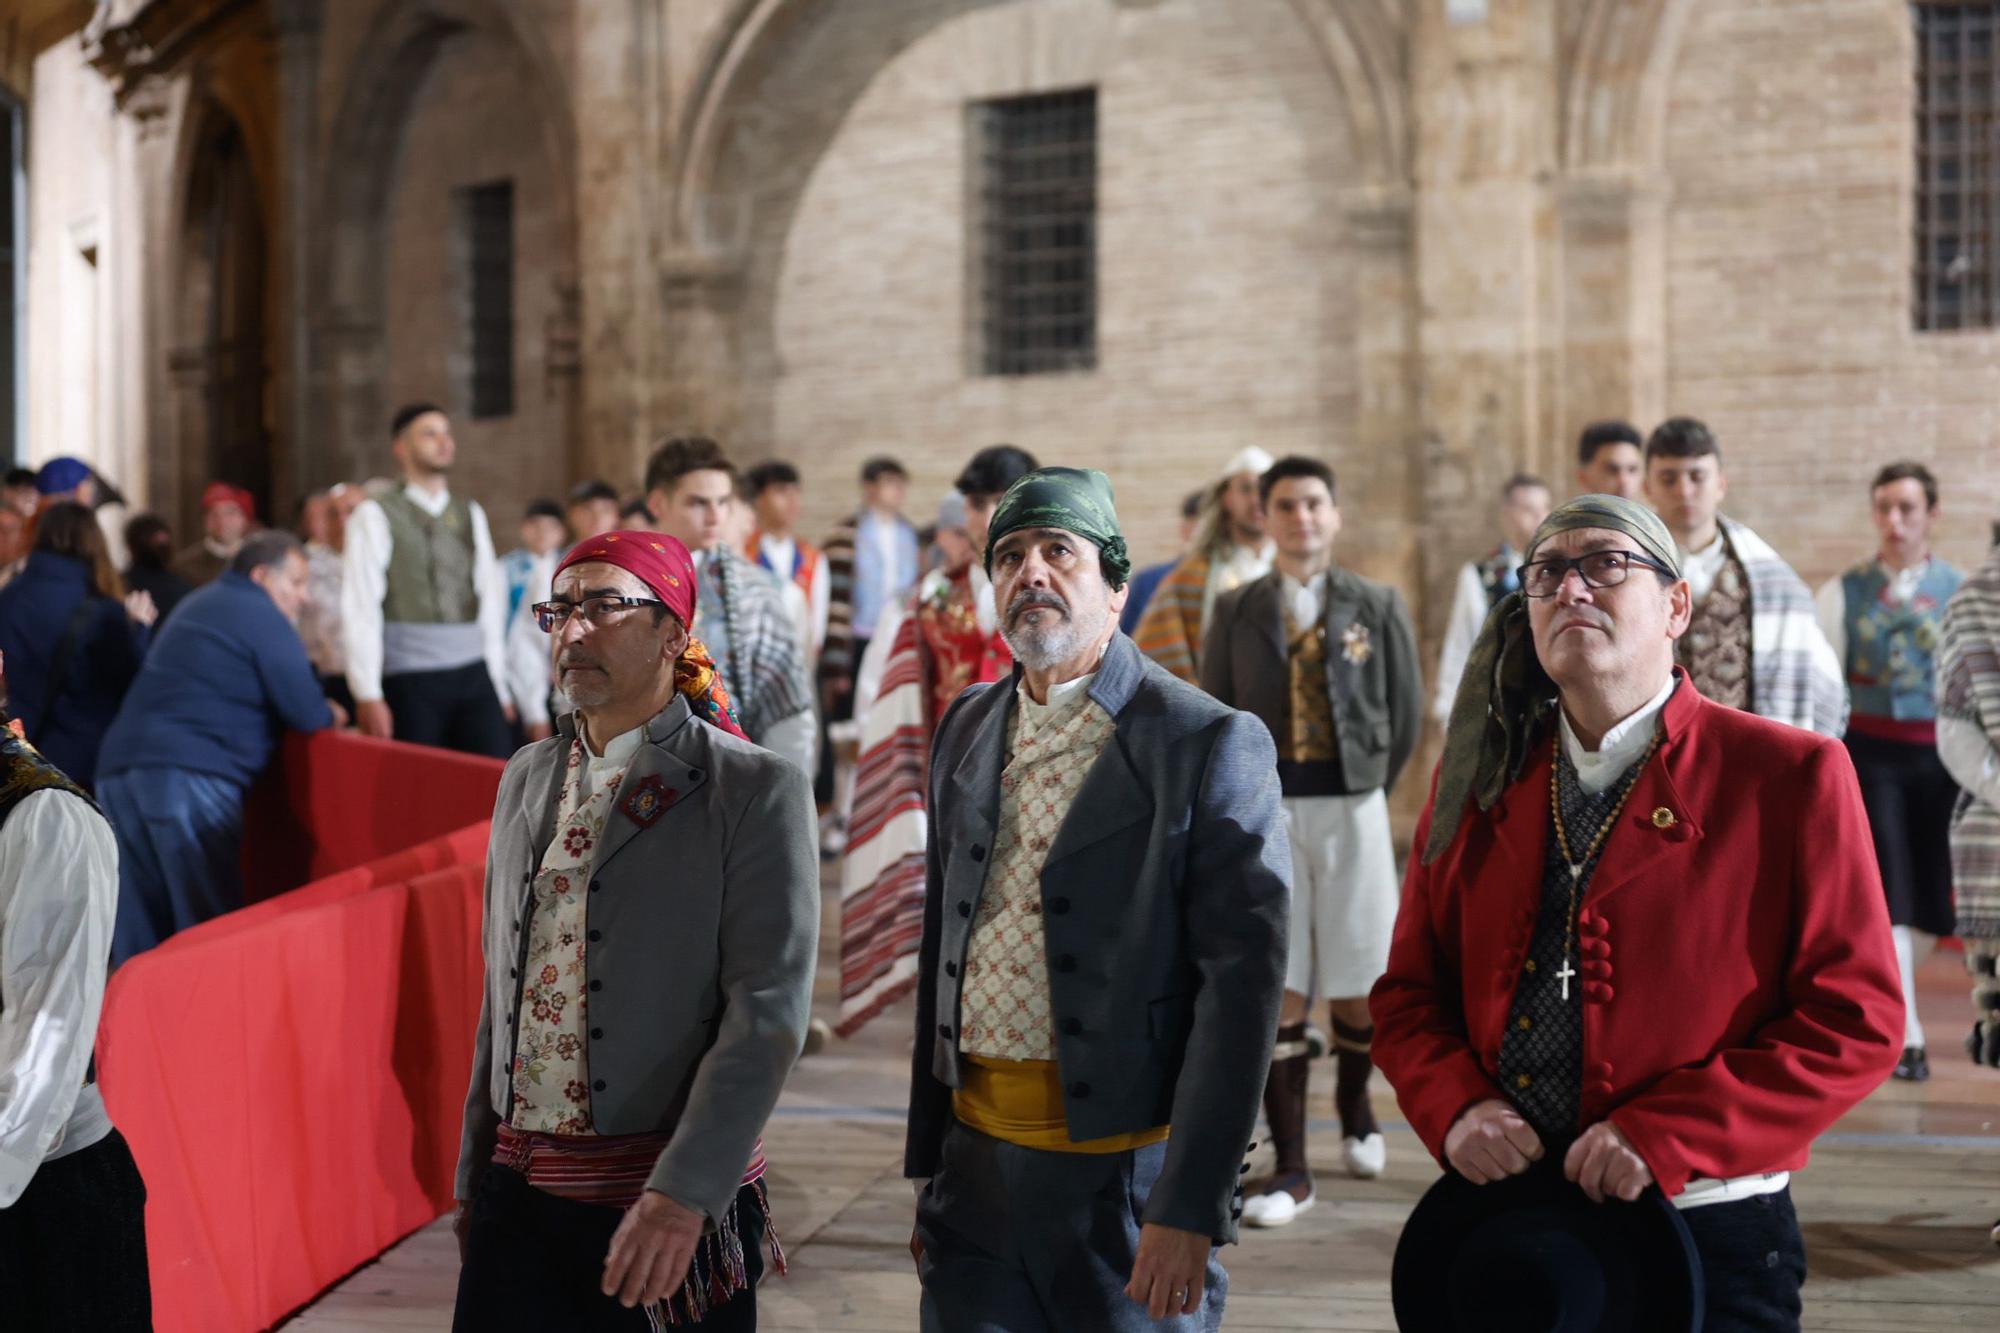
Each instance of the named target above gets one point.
<point>1795,676</point>
<point>1170,631</point>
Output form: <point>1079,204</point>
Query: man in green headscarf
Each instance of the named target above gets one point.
<point>1106,898</point>
<point>1645,936</point>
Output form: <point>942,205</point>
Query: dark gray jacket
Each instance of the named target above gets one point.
<point>703,930</point>
<point>1165,904</point>
<point>1378,701</point>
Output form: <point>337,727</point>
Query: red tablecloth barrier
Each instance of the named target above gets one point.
<point>291,1076</point>
<point>335,800</point>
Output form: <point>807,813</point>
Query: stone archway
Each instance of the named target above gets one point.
<point>780,79</point>
<point>408,43</point>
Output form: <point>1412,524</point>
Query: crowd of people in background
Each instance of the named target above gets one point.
<point>157,678</point>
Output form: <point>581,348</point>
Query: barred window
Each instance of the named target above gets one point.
<point>1036,232</point>
<point>1957,263</point>
<point>485,253</point>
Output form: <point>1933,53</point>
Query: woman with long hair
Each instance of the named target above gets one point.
<point>72,639</point>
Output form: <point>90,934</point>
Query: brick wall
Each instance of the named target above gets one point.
<point>1789,146</point>
<point>1224,284</point>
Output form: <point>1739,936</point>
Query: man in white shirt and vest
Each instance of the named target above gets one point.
<point>424,604</point>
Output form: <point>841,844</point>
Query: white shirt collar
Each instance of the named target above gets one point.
<point>1622,744</point>
<point>1305,600</point>
<point>1062,698</point>
<point>618,751</point>
<point>431,502</point>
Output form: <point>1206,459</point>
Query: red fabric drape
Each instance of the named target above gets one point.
<point>291,1076</point>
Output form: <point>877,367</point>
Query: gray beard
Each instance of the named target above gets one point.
<point>1039,647</point>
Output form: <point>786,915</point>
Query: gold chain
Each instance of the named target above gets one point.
<point>1603,832</point>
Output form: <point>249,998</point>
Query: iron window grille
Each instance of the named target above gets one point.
<point>1036,232</point>
<point>1956,272</point>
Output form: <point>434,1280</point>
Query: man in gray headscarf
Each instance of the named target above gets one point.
<point>1645,936</point>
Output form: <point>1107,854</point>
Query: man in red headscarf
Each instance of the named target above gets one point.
<point>226,515</point>
<point>652,915</point>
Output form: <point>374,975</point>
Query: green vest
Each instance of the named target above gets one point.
<point>430,564</point>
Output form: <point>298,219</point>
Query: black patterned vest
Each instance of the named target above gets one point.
<point>23,772</point>
<point>1541,1051</point>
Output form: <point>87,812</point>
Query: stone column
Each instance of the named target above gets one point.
<point>305,456</point>
<point>1484,95</point>
<point>1614,304</point>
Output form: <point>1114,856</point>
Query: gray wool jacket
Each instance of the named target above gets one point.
<point>1166,900</point>
<point>1372,675</point>
<point>703,929</point>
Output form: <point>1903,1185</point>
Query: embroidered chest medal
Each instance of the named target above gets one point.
<point>648,801</point>
<point>1356,645</point>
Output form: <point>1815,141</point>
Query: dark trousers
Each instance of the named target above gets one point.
<point>180,848</point>
<point>1910,798</point>
<point>73,1246</point>
<point>1017,1240</point>
<point>534,1260</point>
<point>455,709</point>
<point>1753,1262</point>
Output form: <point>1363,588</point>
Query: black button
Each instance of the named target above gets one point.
<point>944,1030</point>
<point>596,935</point>
<point>1079,1089</point>
<point>951,969</point>
<point>517,927</point>
<point>512,973</point>
<point>978,852</point>
<point>1072,1027</point>
<point>594,886</point>
<point>597,1034</point>
<point>599,1085</point>
<point>965,909</point>
<point>1057,906</point>
<point>1065,963</point>
<point>597,985</point>
<point>694,775</point>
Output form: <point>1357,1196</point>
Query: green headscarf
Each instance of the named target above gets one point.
<point>1076,500</point>
<point>1505,697</point>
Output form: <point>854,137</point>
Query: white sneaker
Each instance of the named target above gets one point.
<point>1364,1158</point>
<point>1275,1208</point>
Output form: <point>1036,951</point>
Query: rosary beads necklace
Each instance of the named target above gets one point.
<point>1576,867</point>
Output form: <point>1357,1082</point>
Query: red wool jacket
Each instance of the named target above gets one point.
<point>1739,984</point>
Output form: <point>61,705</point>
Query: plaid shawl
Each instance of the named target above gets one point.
<point>1795,677</point>
<point>1170,631</point>
<point>761,659</point>
<point>1968,686</point>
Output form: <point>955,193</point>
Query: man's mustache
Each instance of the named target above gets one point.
<point>572,658</point>
<point>1029,598</point>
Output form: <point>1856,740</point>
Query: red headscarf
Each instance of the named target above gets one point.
<point>664,566</point>
<point>222,493</point>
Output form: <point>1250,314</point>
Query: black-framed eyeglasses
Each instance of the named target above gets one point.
<point>552,616</point>
<point>1598,569</point>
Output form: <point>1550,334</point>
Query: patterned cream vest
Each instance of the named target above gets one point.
<point>1004,1004</point>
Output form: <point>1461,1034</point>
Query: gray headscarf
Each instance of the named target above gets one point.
<point>1505,697</point>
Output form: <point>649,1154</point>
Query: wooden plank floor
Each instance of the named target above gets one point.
<point>1896,1206</point>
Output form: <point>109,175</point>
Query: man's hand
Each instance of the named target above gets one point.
<point>372,718</point>
<point>141,608</point>
<point>340,718</point>
<point>1603,1163</point>
<point>1491,1142</point>
<point>539,731</point>
<point>461,1227</point>
<point>1167,1275</point>
<point>511,713</point>
<point>649,1254</point>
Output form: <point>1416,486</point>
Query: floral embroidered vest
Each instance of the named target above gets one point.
<point>1891,664</point>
